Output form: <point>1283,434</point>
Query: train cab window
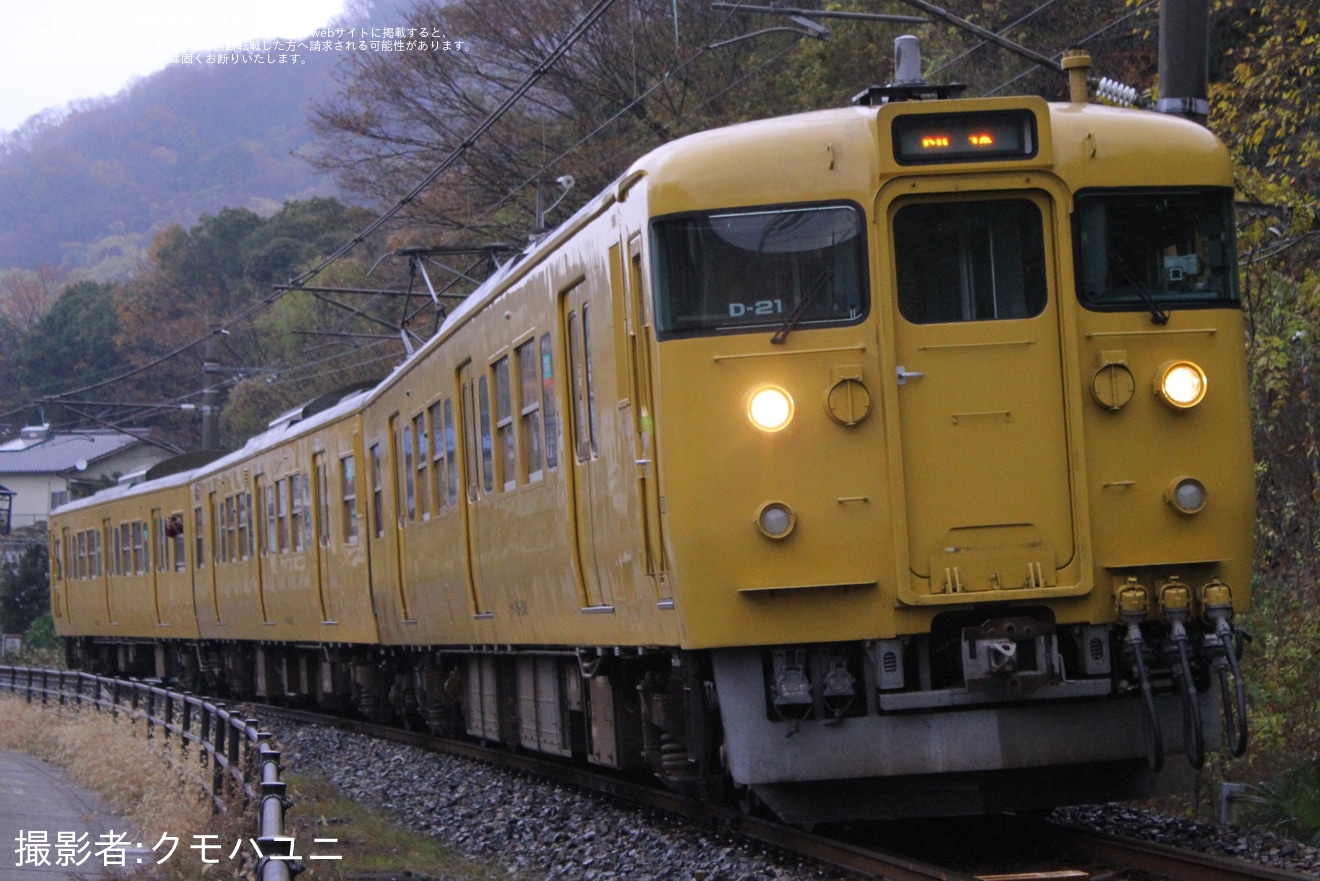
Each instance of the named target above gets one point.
<point>1149,250</point>
<point>548,404</point>
<point>758,269</point>
<point>969,261</point>
<point>504,425</point>
<point>56,559</point>
<point>348,480</point>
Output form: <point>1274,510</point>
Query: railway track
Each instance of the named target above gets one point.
<point>990,849</point>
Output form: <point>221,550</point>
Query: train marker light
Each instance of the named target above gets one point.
<point>770,409</point>
<point>1186,494</point>
<point>775,520</point>
<point>1181,384</point>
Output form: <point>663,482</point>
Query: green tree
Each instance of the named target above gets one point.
<point>72,343</point>
<point>24,589</point>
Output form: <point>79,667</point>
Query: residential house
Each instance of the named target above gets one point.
<point>43,469</point>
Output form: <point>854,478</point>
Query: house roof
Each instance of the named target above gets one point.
<point>61,452</point>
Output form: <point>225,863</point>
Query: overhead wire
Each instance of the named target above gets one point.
<point>576,33</point>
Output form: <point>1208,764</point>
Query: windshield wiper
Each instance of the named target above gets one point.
<point>1157,315</point>
<point>795,317</point>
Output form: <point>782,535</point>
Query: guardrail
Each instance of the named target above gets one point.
<point>240,756</point>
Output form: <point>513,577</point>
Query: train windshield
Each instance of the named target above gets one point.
<point>756,269</point>
<point>1155,250</point>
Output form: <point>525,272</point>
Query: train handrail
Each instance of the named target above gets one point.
<point>241,757</point>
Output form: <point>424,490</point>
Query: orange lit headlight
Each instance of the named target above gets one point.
<point>770,408</point>
<point>1180,384</point>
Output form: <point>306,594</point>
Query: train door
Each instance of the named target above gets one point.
<point>61,608</point>
<point>589,473</point>
<point>478,470</point>
<point>320,515</point>
<point>396,476</point>
<point>157,558</point>
<point>983,430</point>
<point>635,361</point>
<point>106,584</point>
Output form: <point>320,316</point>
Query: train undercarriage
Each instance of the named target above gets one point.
<point>980,715</point>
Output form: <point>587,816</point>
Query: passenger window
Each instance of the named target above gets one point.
<point>548,402</point>
<point>487,459</point>
<point>174,529</point>
<point>451,453</point>
<point>377,492</point>
<point>419,432</point>
<point>970,261</point>
<point>529,400</point>
<point>436,429</point>
<point>198,534</point>
<point>409,477</point>
<point>348,478</point>
<point>272,535</point>
<point>504,424</point>
<point>322,499</point>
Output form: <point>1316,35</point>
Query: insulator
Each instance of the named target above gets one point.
<point>1116,92</point>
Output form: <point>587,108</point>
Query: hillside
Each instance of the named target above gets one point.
<point>90,186</point>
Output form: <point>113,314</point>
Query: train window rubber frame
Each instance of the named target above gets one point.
<point>1171,253</point>
<point>702,258</point>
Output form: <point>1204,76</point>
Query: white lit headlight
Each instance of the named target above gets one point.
<point>1181,384</point>
<point>775,520</point>
<point>770,409</point>
<point>1187,494</point>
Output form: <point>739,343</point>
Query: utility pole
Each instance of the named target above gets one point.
<point>1185,59</point>
<point>210,425</point>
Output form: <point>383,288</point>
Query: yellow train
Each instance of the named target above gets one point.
<point>891,460</point>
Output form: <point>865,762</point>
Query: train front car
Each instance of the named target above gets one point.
<point>954,449</point>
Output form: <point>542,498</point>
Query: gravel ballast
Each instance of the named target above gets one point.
<point>538,829</point>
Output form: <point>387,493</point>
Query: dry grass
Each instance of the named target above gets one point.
<point>147,782</point>
<point>161,792</point>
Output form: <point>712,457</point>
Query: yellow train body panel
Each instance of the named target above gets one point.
<point>115,572</point>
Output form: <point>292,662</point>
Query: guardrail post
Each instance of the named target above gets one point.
<point>151,712</point>
<point>114,700</point>
<point>217,765</point>
<point>236,740</point>
<point>186,727</point>
<point>206,730</point>
<point>169,715</point>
